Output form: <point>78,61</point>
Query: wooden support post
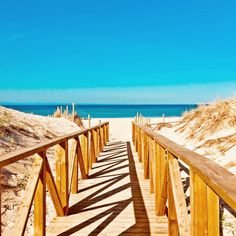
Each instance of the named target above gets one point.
<point>213,213</point>
<point>92,148</point>
<point>75,166</point>
<point>152,154</point>
<point>139,145</point>
<point>101,139</point>
<point>161,192</point>
<point>84,147</point>
<point>204,205</point>
<point>62,174</point>
<point>40,201</point>
<point>173,229</point>
<point>80,159</point>
<point>198,204</point>
<point>95,144</point>
<point>108,132</point>
<point>178,196</point>
<point>145,155</point>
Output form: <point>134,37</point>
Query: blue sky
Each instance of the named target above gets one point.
<point>95,47</point>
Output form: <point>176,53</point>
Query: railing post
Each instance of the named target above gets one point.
<point>145,156</point>
<point>100,139</point>
<point>75,170</point>
<point>62,174</point>
<point>152,155</point>
<point>204,205</point>
<point>108,132</point>
<point>92,148</point>
<point>173,229</point>
<point>40,201</point>
<point>84,147</point>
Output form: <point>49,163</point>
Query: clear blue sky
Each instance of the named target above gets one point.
<point>94,44</point>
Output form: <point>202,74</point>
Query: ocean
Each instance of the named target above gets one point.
<point>109,111</point>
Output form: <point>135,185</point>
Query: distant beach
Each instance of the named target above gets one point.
<point>112,111</point>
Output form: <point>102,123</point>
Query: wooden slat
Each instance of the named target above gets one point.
<point>53,190</point>
<point>24,210</point>
<point>178,196</point>
<point>40,201</point>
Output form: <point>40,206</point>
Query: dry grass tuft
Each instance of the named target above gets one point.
<point>69,116</point>
<point>206,120</point>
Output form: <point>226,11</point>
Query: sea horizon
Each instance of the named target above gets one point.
<point>107,110</point>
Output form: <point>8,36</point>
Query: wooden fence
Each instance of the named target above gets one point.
<point>73,152</point>
<point>208,182</point>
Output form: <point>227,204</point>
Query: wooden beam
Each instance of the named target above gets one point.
<point>40,201</point>
<point>178,197</point>
<point>173,229</point>
<point>81,160</point>
<point>62,174</point>
<point>24,210</point>
<point>73,167</point>
<point>51,186</point>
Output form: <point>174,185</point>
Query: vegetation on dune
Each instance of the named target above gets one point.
<point>207,123</point>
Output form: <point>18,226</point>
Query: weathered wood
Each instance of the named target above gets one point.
<point>51,186</point>
<point>178,196</point>
<point>40,201</point>
<point>24,210</point>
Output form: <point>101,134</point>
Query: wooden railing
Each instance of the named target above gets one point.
<point>73,152</point>
<point>162,160</point>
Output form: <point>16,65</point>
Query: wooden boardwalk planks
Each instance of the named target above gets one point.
<point>114,200</point>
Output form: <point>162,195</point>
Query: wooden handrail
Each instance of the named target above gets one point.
<point>208,182</point>
<point>83,150</point>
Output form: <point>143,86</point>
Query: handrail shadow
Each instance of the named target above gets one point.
<point>112,163</point>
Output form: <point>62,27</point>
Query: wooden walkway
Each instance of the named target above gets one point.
<point>115,200</point>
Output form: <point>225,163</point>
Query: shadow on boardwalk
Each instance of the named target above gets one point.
<point>114,166</point>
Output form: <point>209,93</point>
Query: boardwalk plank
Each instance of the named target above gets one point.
<point>114,200</point>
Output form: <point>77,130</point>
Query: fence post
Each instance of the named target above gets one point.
<point>62,174</point>
<point>40,201</point>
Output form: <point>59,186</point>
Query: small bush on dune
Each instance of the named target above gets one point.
<point>206,120</point>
